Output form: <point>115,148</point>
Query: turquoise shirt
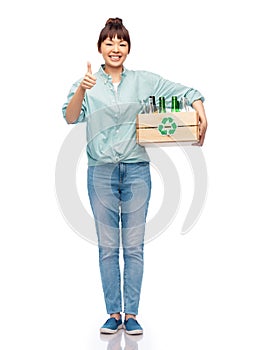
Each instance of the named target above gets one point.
<point>110,114</point>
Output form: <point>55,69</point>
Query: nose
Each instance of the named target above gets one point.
<point>115,48</point>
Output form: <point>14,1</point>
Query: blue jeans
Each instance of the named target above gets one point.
<point>119,196</point>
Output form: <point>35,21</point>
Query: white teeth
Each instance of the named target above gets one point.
<point>115,58</point>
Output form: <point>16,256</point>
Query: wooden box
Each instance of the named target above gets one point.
<point>167,127</point>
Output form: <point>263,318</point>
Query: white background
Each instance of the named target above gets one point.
<point>202,290</point>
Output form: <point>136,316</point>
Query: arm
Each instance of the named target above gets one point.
<point>74,107</point>
<point>199,107</point>
<point>164,87</point>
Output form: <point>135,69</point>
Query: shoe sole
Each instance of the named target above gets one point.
<point>110,331</point>
<point>134,332</point>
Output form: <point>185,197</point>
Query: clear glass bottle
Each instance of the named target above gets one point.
<point>152,105</point>
<point>143,107</point>
<point>184,104</point>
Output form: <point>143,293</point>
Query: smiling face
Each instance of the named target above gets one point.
<point>114,52</point>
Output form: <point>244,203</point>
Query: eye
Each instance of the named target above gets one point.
<point>123,45</point>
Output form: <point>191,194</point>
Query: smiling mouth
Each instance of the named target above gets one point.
<point>115,58</point>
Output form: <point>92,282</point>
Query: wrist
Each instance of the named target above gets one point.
<point>81,90</point>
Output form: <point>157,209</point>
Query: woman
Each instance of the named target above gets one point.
<point>119,182</point>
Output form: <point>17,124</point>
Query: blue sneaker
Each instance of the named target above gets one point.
<point>111,326</point>
<point>132,326</point>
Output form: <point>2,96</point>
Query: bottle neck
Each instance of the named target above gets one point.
<point>162,105</point>
<point>174,105</point>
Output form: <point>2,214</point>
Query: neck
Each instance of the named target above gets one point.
<point>115,73</point>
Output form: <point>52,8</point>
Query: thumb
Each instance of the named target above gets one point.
<point>89,68</point>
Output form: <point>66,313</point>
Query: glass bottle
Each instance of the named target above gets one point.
<point>143,107</point>
<point>152,105</point>
<point>162,105</point>
<point>184,104</point>
<point>175,106</point>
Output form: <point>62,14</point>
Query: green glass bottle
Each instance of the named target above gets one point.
<point>162,105</point>
<point>175,106</point>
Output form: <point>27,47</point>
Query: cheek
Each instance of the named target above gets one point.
<point>125,52</point>
<point>104,53</point>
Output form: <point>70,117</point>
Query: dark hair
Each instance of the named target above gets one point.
<point>114,27</point>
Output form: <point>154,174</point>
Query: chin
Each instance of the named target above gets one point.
<point>115,64</point>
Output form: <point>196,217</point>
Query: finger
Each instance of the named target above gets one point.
<point>89,78</point>
<point>89,75</point>
<point>89,68</point>
<point>88,83</point>
<point>202,136</point>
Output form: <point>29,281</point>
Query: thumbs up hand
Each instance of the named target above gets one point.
<point>89,79</point>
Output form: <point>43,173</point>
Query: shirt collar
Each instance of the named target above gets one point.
<point>107,76</point>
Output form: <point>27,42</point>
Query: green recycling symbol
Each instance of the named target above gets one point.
<point>167,126</point>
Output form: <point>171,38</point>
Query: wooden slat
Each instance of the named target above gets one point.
<point>182,134</point>
<point>180,118</point>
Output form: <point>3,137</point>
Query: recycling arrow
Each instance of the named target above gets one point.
<point>167,126</point>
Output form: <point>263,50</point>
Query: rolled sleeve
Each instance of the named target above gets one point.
<point>83,114</point>
<point>193,95</point>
